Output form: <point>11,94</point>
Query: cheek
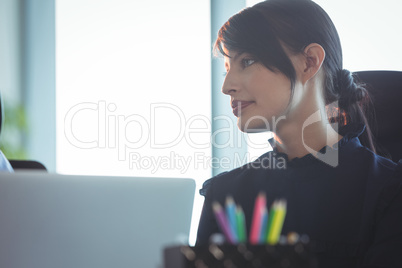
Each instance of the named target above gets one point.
<point>275,96</point>
<point>271,91</point>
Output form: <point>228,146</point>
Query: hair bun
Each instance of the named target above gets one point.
<point>349,91</point>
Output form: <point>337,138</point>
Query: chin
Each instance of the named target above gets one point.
<point>255,126</point>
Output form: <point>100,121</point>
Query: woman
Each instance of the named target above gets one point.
<point>284,74</point>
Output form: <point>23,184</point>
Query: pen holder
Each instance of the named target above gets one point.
<point>241,256</point>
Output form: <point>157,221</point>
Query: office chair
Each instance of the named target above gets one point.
<point>19,165</point>
<point>385,88</point>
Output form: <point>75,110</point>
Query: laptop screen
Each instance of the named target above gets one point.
<point>51,220</point>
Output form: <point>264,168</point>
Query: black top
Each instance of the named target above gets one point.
<point>352,212</point>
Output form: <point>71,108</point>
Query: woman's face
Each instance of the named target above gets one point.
<point>259,97</point>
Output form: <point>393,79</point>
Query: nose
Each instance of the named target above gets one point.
<point>229,86</point>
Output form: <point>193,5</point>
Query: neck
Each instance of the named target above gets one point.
<point>307,130</point>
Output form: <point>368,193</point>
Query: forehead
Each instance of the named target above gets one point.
<point>230,54</point>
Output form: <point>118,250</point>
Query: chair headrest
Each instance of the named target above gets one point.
<point>385,88</point>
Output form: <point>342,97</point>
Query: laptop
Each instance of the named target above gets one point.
<point>64,221</point>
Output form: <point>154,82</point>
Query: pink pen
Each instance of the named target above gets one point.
<point>255,233</point>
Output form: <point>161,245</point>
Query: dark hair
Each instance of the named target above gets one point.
<point>262,29</point>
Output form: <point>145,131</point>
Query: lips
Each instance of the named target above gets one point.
<point>238,106</point>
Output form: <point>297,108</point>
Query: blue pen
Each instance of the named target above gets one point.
<point>231,216</point>
<point>264,226</point>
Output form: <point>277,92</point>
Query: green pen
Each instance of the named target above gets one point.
<point>241,225</point>
<point>277,223</point>
<point>271,218</point>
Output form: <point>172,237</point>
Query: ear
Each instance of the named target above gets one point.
<point>314,55</point>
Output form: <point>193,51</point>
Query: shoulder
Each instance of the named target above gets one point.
<point>221,178</point>
<point>384,176</point>
<point>355,158</point>
<point>391,182</point>
<point>384,180</point>
<point>380,169</point>
<point>229,177</point>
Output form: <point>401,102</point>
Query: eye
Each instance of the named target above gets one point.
<point>247,62</point>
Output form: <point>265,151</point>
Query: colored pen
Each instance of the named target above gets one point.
<point>231,216</point>
<point>271,219</point>
<point>241,225</point>
<point>277,222</point>
<point>222,221</point>
<point>255,232</point>
<point>264,229</point>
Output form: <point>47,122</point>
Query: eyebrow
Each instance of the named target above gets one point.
<point>237,55</point>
